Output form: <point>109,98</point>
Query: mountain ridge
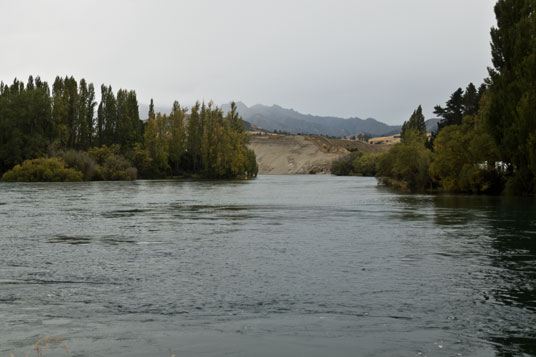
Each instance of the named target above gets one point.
<point>278,118</point>
<point>275,117</point>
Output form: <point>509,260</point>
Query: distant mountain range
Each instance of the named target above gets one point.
<point>288,120</point>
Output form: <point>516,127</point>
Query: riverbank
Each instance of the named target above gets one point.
<point>303,154</point>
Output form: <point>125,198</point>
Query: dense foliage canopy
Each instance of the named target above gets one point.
<point>510,116</point>
<point>43,170</point>
<point>486,139</point>
<point>108,141</point>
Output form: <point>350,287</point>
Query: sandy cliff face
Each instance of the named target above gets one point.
<point>291,155</point>
<point>297,154</point>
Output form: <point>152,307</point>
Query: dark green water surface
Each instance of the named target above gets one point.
<point>277,266</point>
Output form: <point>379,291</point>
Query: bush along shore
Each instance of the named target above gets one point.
<point>62,134</point>
<point>462,156</point>
<point>486,139</point>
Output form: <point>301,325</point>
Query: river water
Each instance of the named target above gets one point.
<point>277,266</point>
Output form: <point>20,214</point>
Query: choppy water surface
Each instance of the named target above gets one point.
<point>278,266</point>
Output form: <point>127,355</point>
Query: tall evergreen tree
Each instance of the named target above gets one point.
<point>33,117</point>
<point>90,116</point>
<point>194,138</point>
<point>123,133</point>
<point>107,117</point>
<point>151,110</point>
<point>177,138</point>
<point>452,114</point>
<point>30,85</point>
<point>135,124</point>
<point>26,126</point>
<point>470,100</point>
<point>156,144</point>
<point>511,114</point>
<point>415,124</point>
<point>72,102</point>
<point>60,113</point>
<point>239,157</point>
<point>86,110</point>
<point>460,104</point>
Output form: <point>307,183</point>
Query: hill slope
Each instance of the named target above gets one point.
<point>299,154</point>
<point>288,120</point>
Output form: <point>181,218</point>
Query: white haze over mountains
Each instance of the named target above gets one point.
<point>344,58</point>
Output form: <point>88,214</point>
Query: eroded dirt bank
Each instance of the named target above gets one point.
<point>297,154</point>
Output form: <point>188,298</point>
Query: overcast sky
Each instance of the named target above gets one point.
<point>364,58</point>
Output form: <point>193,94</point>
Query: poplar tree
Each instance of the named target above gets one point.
<point>90,114</point>
<point>151,109</point>
<point>107,116</point>
<point>26,125</point>
<point>177,138</point>
<point>155,143</point>
<point>194,138</point>
<point>125,133</point>
<point>239,141</point>
<point>101,116</point>
<point>60,113</point>
<point>415,124</point>
<point>72,101</point>
<point>35,122</point>
<point>86,112</point>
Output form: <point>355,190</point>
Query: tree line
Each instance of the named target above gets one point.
<point>486,139</point>
<point>107,140</point>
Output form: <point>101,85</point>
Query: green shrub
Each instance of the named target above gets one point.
<point>141,159</point>
<point>42,170</point>
<point>475,179</point>
<point>406,166</point>
<point>344,165</point>
<point>251,168</point>
<point>81,161</point>
<point>365,165</point>
<point>465,159</point>
<point>101,154</point>
<point>117,168</point>
<point>521,183</point>
<point>111,165</point>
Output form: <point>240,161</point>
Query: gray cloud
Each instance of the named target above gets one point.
<point>376,59</point>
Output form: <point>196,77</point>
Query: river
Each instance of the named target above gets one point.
<point>277,266</point>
